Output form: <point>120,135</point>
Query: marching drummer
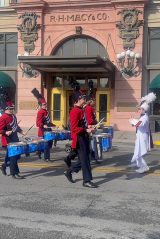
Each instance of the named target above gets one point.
<point>9,129</point>
<point>80,142</point>
<point>44,124</point>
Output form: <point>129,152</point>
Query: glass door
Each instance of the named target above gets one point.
<point>103,106</point>
<point>69,103</point>
<point>58,109</point>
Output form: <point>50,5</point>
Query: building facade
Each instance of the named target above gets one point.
<point>96,45</point>
<point>151,59</point>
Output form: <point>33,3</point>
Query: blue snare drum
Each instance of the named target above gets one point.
<point>42,145</point>
<point>32,147</point>
<point>51,135</point>
<point>61,135</point>
<point>68,135</point>
<point>108,129</point>
<point>64,135</point>
<point>106,142</point>
<point>16,149</point>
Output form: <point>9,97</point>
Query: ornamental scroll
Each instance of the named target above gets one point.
<point>29,30</point>
<point>129,27</point>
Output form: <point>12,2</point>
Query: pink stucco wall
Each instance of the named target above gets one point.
<point>55,29</point>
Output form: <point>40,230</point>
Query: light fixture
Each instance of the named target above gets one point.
<point>128,62</point>
<point>27,70</point>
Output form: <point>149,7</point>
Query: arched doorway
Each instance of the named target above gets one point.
<point>73,48</point>
<point>80,46</point>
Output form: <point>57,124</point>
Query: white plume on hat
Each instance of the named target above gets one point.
<point>146,100</point>
<point>149,98</point>
<point>145,106</point>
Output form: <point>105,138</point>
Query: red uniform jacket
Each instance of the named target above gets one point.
<point>8,122</point>
<point>77,124</point>
<point>90,115</point>
<point>41,120</point>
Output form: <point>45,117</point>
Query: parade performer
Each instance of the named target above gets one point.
<point>143,141</point>
<point>43,122</point>
<point>80,142</point>
<point>91,121</point>
<point>8,130</point>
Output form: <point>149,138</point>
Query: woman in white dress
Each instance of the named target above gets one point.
<point>142,143</point>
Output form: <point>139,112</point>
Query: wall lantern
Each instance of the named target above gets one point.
<point>27,70</point>
<point>128,62</point>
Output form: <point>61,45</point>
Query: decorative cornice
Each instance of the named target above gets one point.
<point>129,1</point>
<point>153,67</point>
<point>79,5</point>
<point>31,5</point>
<point>6,10</point>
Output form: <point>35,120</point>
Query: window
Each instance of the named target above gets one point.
<point>8,49</point>
<point>154,43</point>
<point>103,106</point>
<point>81,47</point>
<point>2,3</point>
<point>57,107</point>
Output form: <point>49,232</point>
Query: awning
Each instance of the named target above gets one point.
<point>6,81</point>
<point>155,83</point>
<point>75,64</point>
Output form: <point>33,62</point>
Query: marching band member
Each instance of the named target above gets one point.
<point>143,137</point>
<point>80,142</point>
<point>43,123</point>
<point>9,129</point>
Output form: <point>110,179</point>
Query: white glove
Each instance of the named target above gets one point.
<point>133,121</point>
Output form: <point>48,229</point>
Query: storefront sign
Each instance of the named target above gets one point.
<point>81,17</point>
<point>126,106</point>
<point>27,105</point>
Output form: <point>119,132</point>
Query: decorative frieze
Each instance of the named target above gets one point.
<point>29,30</point>
<point>129,27</point>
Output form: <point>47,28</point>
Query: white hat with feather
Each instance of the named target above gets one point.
<point>146,100</point>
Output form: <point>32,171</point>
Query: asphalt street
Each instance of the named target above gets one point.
<point>126,205</point>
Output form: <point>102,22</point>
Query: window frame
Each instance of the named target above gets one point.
<point>6,42</point>
<point>149,44</point>
<point>58,51</point>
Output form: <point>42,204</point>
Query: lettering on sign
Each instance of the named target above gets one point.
<point>126,106</point>
<point>82,17</point>
<point>27,105</point>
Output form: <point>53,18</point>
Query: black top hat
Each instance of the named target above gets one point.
<point>78,95</point>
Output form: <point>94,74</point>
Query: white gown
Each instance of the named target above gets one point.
<point>142,143</point>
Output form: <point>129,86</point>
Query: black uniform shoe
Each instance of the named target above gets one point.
<point>89,185</point>
<point>14,177</point>
<point>3,169</point>
<point>19,176</point>
<point>68,175</point>
<point>67,162</point>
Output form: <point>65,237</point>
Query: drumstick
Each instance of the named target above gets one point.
<point>29,129</point>
<point>98,123</point>
<point>19,121</point>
